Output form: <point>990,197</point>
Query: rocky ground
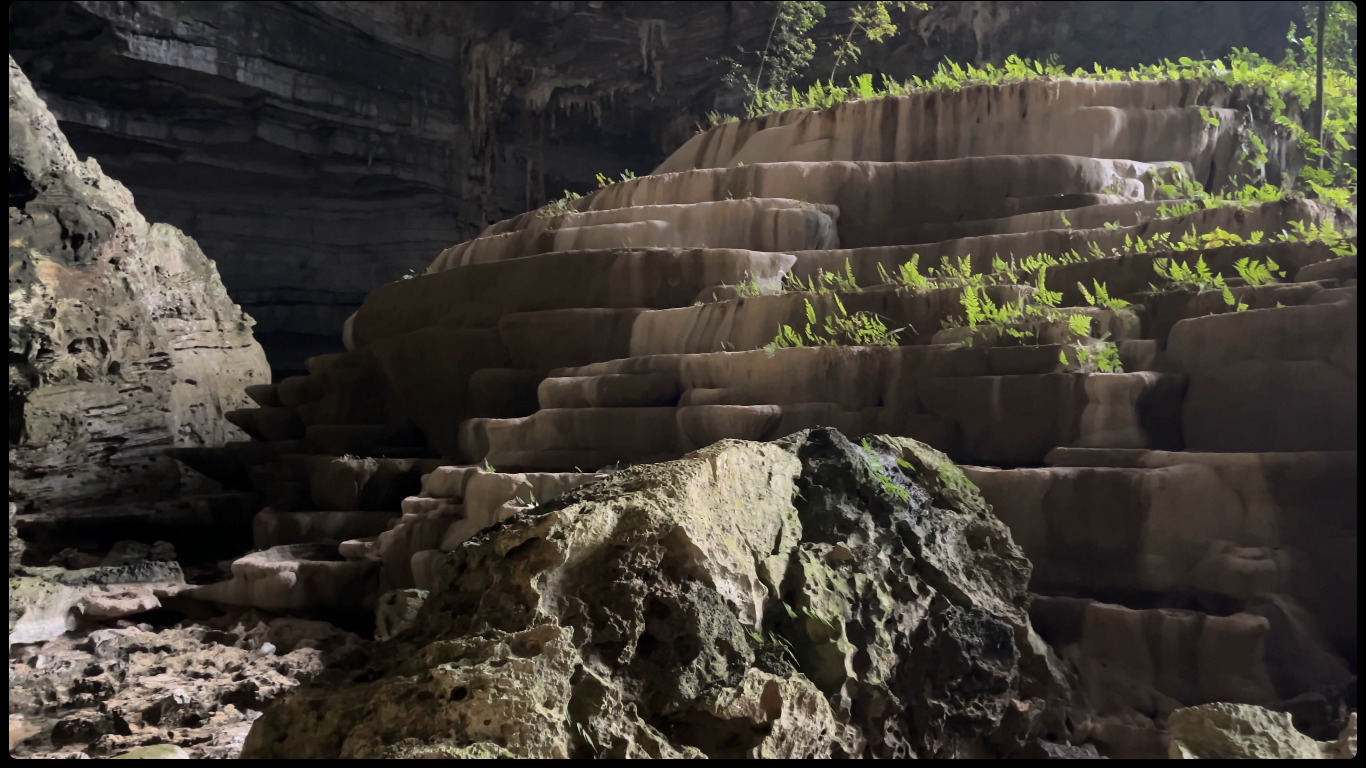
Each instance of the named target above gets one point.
<point>195,684</point>
<point>817,597</point>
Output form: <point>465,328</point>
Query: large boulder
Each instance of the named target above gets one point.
<point>123,341</point>
<point>812,598</point>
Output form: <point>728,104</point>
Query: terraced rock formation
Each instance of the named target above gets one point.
<point>318,149</point>
<point>1158,398</point>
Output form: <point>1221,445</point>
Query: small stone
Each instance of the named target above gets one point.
<point>155,752</point>
<point>395,611</point>
<point>161,550</point>
<point>127,553</point>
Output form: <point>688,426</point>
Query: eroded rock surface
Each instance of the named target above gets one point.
<point>196,686</point>
<point>1240,731</point>
<point>814,598</point>
<point>123,341</point>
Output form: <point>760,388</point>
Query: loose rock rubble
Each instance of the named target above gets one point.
<point>196,686</point>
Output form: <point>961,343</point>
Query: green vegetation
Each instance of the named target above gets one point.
<point>788,50</point>
<point>1104,357</point>
<point>874,23</point>
<point>1198,278</point>
<point>825,282</point>
<point>980,310</point>
<point>875,468</point>
<point>843,328</point>
<point>1323,232</point>
<point>559,207</point>
<point>907,276</point>
<point>1288,88</point>
<point>1255,272</point>
<point>1079,324</point>
<point>748,287</point>
<point>1101,298</point>
<point>606,181</point>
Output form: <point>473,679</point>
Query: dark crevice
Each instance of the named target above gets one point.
<point>21,191</point>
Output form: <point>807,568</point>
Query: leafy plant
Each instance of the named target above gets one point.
<point>1183,275</point>
<point>823,282</point>
<point>559,207</point>
<point>843,328</point>
<point>788,50</point>
<point>857,329</point>
<point>1105,357</point>
<point>890,486</point>
<point>1042,295</point>
<point>957,272</point>
<point>716,118</point>
<point>748,287</point>
<point>875,24</point>
<point>1323,232</point>
<point>907,275</point>
<point>980,310</point>
<point>1199,278</point>
<point>1101,298</point>
<point>1255,272</point>
<point>606,181</point>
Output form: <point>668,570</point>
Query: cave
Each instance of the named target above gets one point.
<point>732,380</point>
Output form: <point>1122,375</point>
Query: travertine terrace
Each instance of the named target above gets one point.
<point>1190,514</point>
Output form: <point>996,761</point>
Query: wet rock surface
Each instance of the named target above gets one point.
<point>816,598</point>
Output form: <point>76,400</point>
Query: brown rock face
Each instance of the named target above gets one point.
<point>810,599</point>
<point>123,341</point>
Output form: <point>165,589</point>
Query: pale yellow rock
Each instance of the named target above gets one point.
<point>1225,731</point>
<point>155,752</point>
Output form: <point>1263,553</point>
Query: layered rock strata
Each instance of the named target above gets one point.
<point>1171,456</point>
<point>318,149</point>
<point>123,342</point>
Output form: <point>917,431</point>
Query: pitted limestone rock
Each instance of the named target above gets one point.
<point>123,341</point>
<point>1232,731</point>
<point>811,599</point>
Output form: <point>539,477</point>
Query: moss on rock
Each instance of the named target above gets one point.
<point>807,599</point>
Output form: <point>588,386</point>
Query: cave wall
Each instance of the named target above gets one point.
<point>318,149</point>
<point>123,341</point>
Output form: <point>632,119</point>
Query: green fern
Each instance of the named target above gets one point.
<point>1254,272</point>
<point>1101,298</point>
<point>1079,325</point>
